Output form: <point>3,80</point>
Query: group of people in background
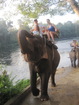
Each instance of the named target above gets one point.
<point>51,30</point>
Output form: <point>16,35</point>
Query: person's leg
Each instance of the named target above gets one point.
<point>48,35</point>
<point>52,35</point>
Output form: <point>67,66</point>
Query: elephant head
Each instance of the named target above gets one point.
<point>32,47</point>
<point>74,55</point>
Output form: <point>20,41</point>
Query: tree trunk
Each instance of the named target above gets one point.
<point>74,6</point>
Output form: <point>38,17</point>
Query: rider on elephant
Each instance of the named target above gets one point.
<point>52,30</point>
<point>36,29</point>
<point>74,44</point>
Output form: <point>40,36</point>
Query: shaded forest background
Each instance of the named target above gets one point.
<point>8,34</point>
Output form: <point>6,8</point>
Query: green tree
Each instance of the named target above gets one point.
<point>3,32</point>
<point>68,30</point>
<point>74,5</point>
<point>35,8</point>
<point>7,34</point>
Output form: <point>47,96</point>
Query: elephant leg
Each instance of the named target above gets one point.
<point>75,60</point>
<point>44,86</point>
<point>78,58</point>
<point>78,62</point>
<point>74,63</point>
<point>33,80</point>
<point>53,79</point>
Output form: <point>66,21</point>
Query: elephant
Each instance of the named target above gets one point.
<point>74,55</point>
<point>43,59</point>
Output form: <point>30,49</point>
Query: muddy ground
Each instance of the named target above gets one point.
<point>65,93</point>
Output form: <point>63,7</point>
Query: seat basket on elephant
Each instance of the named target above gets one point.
<point>56,34</point>
<point>49,43</point>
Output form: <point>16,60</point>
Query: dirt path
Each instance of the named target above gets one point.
<point>66,92</point>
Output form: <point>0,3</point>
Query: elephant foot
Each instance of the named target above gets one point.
<point>53,84</point>
<point>36,92</point>
<point>44,97</point>
<point>74,66</point>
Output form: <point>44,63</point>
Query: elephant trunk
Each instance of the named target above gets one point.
<point>25,47</point>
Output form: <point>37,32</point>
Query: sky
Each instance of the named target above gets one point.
<point>60,19</point>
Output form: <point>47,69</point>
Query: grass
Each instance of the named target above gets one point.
<point>8,90</point>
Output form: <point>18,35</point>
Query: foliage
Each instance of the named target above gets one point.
<point>5,34</point>
<point>68,30</point>
<point>30,9</point>
<point>8,34</point>
<point>7,89</point>
<point>35,8</point>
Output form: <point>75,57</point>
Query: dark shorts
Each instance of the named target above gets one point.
<point>51,29</point>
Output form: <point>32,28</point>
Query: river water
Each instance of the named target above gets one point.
<point>18,68</point>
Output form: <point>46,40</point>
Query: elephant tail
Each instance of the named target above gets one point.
<point>22,34</point>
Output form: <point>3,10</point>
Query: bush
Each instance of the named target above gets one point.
<point>7,89</point>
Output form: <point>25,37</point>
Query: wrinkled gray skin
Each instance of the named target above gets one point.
<point>74,56</point>
<point>32,49</point>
